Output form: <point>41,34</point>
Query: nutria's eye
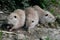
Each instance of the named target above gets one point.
<point>32,21</point>
<point>14,16</point>
<point>46,15</point>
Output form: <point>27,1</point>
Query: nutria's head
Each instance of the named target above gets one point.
<point>44,16</point>
<point>48,17</point>
<point>13,18</point>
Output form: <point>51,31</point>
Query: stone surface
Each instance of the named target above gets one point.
<point>43,33</point>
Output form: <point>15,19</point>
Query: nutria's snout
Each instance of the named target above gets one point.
<point>6,26</point>
<point>53,19</point>
<point>10,26</point>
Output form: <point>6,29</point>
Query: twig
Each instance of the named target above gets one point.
<point>7,32</point>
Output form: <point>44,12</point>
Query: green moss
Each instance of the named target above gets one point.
<point>47,38</point>
<point>1,35</point>
<point>52,10</point>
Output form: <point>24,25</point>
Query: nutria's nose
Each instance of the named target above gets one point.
<point>6,26</point>
<point>53,20</point>
<point>10,25</point>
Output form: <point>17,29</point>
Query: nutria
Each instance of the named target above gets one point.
<point>44,16</point>
<point>32,17</point>
<point>17,18</point>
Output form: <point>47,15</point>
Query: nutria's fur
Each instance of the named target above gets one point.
<point>17,18</point>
